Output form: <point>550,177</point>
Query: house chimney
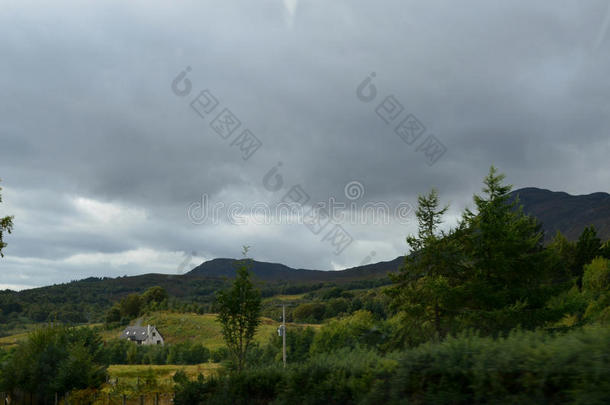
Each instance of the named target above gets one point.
<point>148,331</point>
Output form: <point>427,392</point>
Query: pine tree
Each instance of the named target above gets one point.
<point>508,278</point>
<point>423,289</point>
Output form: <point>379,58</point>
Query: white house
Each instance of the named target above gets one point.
<point>148,335</point>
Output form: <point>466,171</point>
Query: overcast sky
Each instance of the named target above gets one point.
<point>102,151</point>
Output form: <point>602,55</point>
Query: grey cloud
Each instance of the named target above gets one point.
<point>88,112</point>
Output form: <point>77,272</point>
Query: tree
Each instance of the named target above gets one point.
<point>507,279</point>
<point>155,294</point>
<point>239,309</point>
<point>429,217</point>
<point>564,253</point>
<point>424,288</point>
<point>596,286</point>
<point>131,305</point>
<point>588,248</point>
<point>56,359</point>
<point>113,314</point>
<point>6,225</point>
<point>357,329</point>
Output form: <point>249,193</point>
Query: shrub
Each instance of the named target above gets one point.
<point>524,368</point>
<point>355,330</point>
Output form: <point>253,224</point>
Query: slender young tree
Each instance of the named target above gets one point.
<point>6,225</point>
<point>423,289</point>
<point>429,217</point>
<point>239,309</point>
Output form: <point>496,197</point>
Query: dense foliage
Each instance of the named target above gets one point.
<point>523,368</point>
<point>55,359</point>
<point>126,352</point>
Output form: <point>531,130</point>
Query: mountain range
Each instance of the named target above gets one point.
<point>264,271</point>
<point>570,214</point>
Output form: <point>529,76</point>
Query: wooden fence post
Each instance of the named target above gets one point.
<point>56,399</point>
<point>123,399</point>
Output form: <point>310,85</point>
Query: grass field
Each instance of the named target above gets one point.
<point>130,374</point>
<point>182,327</point>
<point>294,297</point>
<point>11,340</point>
<point>204,329</point>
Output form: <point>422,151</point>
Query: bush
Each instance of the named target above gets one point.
<point>122,351</point>
<point>352,331</point>
<point>220,354</point>
<point>311,312</point>
<point>55,359</point>
<point>523,368</point>
<point>596,287</point>
<point>298,344</point>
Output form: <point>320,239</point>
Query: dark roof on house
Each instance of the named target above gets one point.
<point>135,333</point>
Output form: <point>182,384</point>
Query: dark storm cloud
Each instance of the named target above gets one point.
<point>100,158</point>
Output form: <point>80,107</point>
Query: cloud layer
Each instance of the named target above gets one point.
<point>100,158</point>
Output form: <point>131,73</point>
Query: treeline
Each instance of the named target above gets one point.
<point>88,301</point>
<point>329,302</point>
<point>101,299</point>
<point>122,351</point>
<point>130,307</point>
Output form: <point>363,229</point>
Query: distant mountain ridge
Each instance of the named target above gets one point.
<point>278,272</point>
<point>570,214</point>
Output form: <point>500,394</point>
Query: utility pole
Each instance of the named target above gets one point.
<point>284,334</point>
